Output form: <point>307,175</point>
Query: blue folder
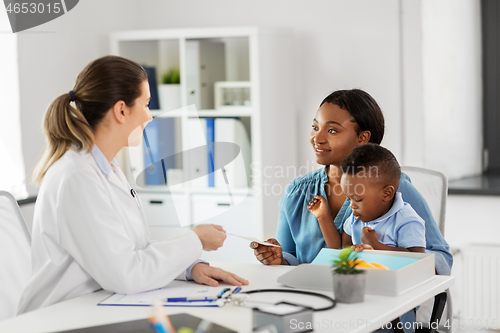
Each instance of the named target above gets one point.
<point>160,145</point>
<point>210,143</point>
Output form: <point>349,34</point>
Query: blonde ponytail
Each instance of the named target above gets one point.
<point>98,87</point>
<point>64,126</point>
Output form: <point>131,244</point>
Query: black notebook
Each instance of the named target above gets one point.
<point>142,326</point>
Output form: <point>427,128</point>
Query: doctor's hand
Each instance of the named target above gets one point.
<point>269,255</point>
<point>212,236</point>
<point>211,276</point>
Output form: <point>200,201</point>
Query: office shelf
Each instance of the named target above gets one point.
<point>263,59</point>
<point>244,112</point>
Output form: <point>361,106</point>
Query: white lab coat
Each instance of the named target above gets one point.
<point>89,233</point>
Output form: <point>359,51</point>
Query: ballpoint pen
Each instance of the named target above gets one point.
<point>198,298</point>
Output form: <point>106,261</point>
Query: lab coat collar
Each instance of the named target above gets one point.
<point>396,206</point>
<point>113,177</point>
<point>101,161</point>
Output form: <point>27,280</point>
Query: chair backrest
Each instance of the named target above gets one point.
<point>433,185</point>
<point>15,255</point>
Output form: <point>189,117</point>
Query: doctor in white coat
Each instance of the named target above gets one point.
<point>89,229</point>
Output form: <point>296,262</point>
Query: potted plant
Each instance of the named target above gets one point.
<point>169,90</point>
<point>348,281</point>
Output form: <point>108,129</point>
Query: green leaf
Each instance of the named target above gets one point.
<point>346,262</point>
<point>172,76</point>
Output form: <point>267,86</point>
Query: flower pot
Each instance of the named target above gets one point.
<point>349,288</point>
<point>170,96</point>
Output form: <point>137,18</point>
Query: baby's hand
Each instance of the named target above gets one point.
<point>369,236</point>
<point>361,247</point>
<point>318,206</point>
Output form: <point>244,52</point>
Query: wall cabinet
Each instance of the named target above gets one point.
<point>258,59</point>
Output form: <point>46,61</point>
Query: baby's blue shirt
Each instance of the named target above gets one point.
<point>399,227</point>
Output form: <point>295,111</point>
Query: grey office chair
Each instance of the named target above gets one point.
<point>15,257</point>
<point>433,186</point>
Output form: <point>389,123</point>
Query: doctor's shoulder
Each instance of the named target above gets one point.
<point>70,162</point>
<point>73,167</point>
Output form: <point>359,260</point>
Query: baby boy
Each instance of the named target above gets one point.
<point>380,218</point>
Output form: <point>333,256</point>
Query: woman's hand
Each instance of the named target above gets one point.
<point>268,255</point>
<point>204,274</point>
<point>212,236</point>
<point>318,206</point>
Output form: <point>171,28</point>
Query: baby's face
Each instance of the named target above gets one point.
<point>366,196</point>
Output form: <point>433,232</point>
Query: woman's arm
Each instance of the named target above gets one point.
<point>434,240</point>
<point>318,206</point>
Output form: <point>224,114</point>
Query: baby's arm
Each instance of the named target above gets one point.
<point>370,237</point>
<point>318,206</point>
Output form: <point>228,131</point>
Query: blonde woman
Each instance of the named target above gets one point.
<point>89,229</point>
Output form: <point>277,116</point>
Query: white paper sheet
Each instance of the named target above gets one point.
<point>149,297</point>
<point>252,239</point>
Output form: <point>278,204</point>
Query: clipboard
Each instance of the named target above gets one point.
<point>178,297</point>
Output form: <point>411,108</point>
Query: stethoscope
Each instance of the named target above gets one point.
<point>242,299</point>
<point>134,195</point>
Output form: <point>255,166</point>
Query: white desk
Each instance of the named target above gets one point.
<point>362,317</point>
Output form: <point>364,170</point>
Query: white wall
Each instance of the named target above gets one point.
<point>471,219</point>
<point>452,90</point>
<point>442,86</point>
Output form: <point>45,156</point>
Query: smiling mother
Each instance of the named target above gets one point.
<point>344,120</point>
